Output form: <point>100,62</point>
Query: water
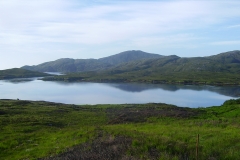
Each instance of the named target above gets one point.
<point>55,73</point>
<point>116,93</point>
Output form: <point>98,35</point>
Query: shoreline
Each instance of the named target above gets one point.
<point>187,82</point>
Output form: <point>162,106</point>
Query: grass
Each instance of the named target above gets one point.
<point>35,129</point>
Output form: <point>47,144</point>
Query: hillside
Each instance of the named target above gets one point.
<point>224,62</point>
<point>128,56</point>
<point>20,73</point>
<point>221,68</point>
<point>68,65</point>
<point>81,65</point>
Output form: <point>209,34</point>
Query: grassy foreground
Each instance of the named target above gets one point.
<point>45,130</point>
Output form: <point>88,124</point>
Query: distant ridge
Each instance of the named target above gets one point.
<point>128,56</point>
<point>220,69</point>
<point>223,62</point>
<point>20,73</point>
<point>147,63</point>
<point>81,65</point>
<point>227,57</point>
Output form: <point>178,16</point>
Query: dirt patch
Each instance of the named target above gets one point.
<point>2,112</point>
<point>135,114</point>
<point>104,148</point>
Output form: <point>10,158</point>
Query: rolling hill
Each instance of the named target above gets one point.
<point>223,62</point>
<point>20,73</point>
<point>82,65</point>
<point>223,68</point>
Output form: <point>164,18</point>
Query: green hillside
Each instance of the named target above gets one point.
<point>20,73</point>
<point>220,69</point>
<point>128,56</point>
<point>224,62</point>
<point>80,65</point>
<point>68,65</point>
<point>53,131</point>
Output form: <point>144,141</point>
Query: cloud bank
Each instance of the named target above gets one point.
<point>47,30</point>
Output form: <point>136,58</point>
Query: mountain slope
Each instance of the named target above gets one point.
<point>128,56</point>
<point>223,68</point>
<point>227,57</point>
<point>224,62</point>
<point>81,65</point>
<point>20,73</point>
<point>68,65</point>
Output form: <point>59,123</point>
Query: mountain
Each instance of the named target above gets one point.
<point>81,65</point>
<point>140,66</point>
<point>69,65</point>
<point>223,68</point>
<point>227,57</point>
<point>20,73</point>
<point>128,56</point>
<point>224,62</point>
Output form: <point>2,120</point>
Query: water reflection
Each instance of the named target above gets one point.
<point>20,80</point>
<point>233,91</point>
<point>116,93</point>
<point>55,73</point>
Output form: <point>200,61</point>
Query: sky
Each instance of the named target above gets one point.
<point>33,31</point>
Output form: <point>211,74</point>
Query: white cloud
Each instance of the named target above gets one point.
<point>19,14</point>
<point>69,26</point>
<point>57,21</point>
<point>226,43</point>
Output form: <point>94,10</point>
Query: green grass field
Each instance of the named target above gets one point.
<point>34,129</point>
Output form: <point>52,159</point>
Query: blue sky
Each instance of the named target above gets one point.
<point>33,32</point>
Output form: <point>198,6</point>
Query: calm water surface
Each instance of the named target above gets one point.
<point>116,93</point>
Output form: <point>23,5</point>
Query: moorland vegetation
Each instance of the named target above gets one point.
<point>45,130</point>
